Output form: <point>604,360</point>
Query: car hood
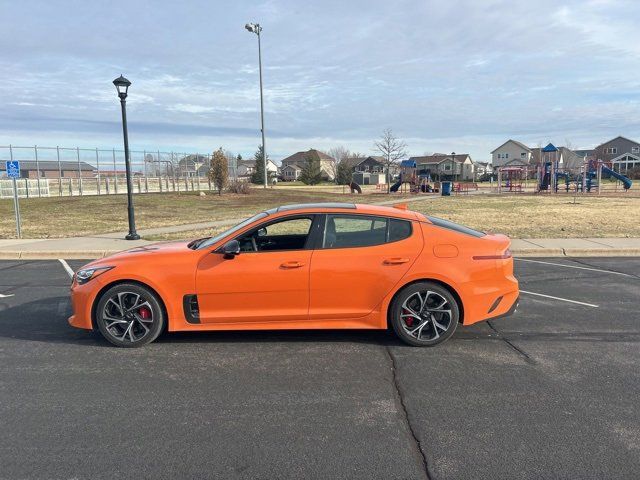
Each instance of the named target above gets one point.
<point>152,251</point>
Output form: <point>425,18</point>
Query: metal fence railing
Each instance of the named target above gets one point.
<point>63,171</point>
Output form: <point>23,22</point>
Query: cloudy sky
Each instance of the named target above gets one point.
<point>444,75</point>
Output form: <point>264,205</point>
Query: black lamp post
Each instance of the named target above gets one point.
<point>453,164</point>
<point>122,85</point>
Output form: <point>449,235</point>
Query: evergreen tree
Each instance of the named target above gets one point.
<point>257,176</point>
<point>343,173</point>
<point>311,173</point>
<point>219,170</point>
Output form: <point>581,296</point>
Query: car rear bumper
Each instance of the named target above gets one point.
<point>491,300</point>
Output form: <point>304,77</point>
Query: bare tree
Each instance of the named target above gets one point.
<point>392,149</point>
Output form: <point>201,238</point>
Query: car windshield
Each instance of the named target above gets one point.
<point>207,242</point>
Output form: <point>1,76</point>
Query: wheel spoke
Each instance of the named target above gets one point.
<point>127,330</point>
<point>410,313</point>
<point>140,322</point>
<point>117,306</point>
<point>419,327</point>
<point>437,325</point>
<point>121,302</point>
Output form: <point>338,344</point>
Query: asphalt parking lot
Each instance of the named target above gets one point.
<point>551,392</point>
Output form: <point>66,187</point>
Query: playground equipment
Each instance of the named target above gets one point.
<point>626,182</point>
<point>591,176</point>
<point>512,179</point>
<point>417,183</point>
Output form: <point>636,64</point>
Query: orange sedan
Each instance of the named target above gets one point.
<point>312,266</point>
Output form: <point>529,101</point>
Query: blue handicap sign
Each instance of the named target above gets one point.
<point>13,169</point>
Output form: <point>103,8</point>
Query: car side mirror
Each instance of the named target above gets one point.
<point>231,249</point>
<point>262,232</point>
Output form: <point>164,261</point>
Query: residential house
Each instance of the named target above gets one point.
<point>511,153</point>
<point>369,171</point>
<point>53,169</point>
<point>370,165</point>
<point>516,154</point>
<point>290,172</point>
<point>624,154</point>
<point>327,164</point>
<point>483,168</point>
<point>442,166</point>
<point>246,168</point>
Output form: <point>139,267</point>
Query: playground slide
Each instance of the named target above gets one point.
<point>626,183</point>
<point>396,186</point>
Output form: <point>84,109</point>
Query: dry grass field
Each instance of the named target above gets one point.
<point>519,216</point>
<point>541,216</point>
<point>76,216</point>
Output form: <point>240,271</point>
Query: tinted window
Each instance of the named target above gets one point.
<point>455,227</point>
<point>342,231</point>
<point>399,229</point>
<point>285,234</point>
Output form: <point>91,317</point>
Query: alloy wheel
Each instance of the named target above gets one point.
<point>426,315</point>
<point>127,316</point>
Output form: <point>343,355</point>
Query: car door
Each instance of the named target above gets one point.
<point>268,280</point>
<point>357,262</point>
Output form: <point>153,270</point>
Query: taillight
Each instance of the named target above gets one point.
<point>504,256</point>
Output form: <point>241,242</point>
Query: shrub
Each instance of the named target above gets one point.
<point>239,186</point>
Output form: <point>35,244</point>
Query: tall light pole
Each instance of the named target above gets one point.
<point>256,28</point>
<point>122,86</point>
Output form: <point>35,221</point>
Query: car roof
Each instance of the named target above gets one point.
<point>399,211</point>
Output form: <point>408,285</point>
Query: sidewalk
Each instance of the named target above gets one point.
<point>98,246</point>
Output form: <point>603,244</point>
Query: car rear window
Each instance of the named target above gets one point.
<point>456,227</point>
<point>343,231</point>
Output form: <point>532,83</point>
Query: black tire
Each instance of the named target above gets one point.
<point>406,320</point>
<point>133,328</point>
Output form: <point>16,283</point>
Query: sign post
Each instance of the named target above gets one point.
<point>13,172</point>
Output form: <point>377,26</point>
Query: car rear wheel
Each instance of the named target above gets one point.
<point>424,314</point>
<point>129,315</point>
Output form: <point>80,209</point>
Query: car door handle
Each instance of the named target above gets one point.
<point>395,260</point>
<point>292,265</point>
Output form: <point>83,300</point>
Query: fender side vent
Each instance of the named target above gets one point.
<point>495,304</point>
<point>191,308</point>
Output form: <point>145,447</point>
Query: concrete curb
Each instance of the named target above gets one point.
<point>517,252</point>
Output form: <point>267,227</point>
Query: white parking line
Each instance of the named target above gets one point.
<point>66,266</point>
<point>575,266</point>
<point>559,298</point>
<point>2,295</point>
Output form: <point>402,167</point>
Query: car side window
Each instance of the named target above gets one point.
<point>399,229</point>
<point>285,234</point>
<point>344,231</point>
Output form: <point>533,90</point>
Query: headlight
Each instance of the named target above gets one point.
<point>86,274</point>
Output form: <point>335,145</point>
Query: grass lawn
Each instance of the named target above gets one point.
<point>540,216</point>
<point>519,216</point>
<point>76,216</point>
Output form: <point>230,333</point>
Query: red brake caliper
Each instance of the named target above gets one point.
<point>144,313</point>
<point>408,319</point>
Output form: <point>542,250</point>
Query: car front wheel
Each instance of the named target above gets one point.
<point>129,315</point>
<point>424,314</point>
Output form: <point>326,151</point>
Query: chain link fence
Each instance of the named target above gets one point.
<point>64,171</point>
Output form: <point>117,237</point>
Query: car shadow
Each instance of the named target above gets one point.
<point>45,320</point>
